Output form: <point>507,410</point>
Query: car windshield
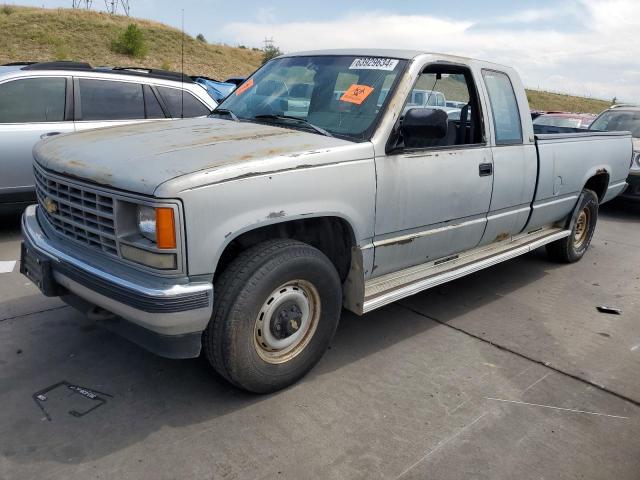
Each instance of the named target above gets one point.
<point>550,120</point>
<point>611,121</point>
<point>337,95</point>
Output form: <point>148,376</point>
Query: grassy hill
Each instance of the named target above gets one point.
<point>539,100</point>
<point>36,34</point>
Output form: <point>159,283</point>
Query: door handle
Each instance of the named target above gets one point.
<point>49,134</point>
<point>485,169</point>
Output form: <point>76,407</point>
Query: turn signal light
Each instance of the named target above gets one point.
<point>165,228</point>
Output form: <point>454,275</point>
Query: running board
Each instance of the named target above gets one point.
<point>393,286</point>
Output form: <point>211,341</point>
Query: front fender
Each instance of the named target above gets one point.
<point>219,213</point>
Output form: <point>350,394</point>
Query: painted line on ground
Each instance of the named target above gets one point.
<point>7,266</point>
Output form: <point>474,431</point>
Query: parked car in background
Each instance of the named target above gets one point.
<point>216,89</point>
<point>536,113</point>
<point>235,80</point>
<point>38,100</point>
<point>624,118</point>
<point>244,234</point>
<point>455,104</point>
<point>565,120</point>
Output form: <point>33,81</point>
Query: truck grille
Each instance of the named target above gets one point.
<point>77,212</point>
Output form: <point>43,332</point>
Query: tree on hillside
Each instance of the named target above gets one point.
<point>270,51</point>
<point>130,42</point>
<point>201,38</point>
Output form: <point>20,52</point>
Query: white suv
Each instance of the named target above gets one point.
<point>43,99</point>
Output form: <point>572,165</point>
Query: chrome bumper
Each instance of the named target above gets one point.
<point>167,307</point>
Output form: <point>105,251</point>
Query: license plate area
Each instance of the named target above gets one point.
<point>37,268</point>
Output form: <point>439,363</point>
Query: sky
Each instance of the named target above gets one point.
<point>584,47</point>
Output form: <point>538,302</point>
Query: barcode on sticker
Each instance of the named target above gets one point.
<point>374,64</point>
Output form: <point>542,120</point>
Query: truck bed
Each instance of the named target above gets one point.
<point>561,155</point>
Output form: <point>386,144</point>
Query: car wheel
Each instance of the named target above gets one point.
<point>572,248</point>
<point>276,309</point>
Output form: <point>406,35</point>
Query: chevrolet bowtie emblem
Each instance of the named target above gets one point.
<point>50,205</point>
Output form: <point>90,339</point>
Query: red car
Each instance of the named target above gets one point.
<point>565,119</point>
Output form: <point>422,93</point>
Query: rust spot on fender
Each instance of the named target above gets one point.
<point>502,236</point>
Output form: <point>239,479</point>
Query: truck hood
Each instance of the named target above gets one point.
<point>139,158</point>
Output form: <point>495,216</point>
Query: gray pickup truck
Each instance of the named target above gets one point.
<point>243,235</point>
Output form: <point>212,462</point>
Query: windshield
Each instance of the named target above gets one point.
<point>342,95</point>
<point>611,121</point>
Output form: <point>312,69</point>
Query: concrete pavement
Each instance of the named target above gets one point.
<point>509,373</point>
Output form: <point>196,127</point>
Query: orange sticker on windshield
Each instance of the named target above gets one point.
<point>244,87</point>
<point>356,94</point>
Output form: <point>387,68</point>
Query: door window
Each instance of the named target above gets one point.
<point>437,85</point>
<point>33,100</point>
<point>174,98</point>
<point>504,106</point>
<point>108,100</point>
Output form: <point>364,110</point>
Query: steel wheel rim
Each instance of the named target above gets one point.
<point>293,308</point>
<point>581,229</point>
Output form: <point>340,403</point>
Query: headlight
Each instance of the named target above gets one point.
<point>157,225</point>
<point>637,159</point>
<point>147,222</point>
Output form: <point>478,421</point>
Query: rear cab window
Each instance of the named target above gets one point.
<point>33,100</point>
<point>504,108</point>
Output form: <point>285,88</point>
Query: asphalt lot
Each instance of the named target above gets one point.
<point>510,373</point>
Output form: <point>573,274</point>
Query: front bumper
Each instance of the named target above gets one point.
<point>166,316</point>
<point>633,190</point>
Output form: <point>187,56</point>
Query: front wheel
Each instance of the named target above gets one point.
<point>276,310</point>
<point>572,248</point>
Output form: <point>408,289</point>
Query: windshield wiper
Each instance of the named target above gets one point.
<point>224,111</point>
<point>320,130</point>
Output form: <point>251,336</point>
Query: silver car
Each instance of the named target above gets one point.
<point>43,99</point>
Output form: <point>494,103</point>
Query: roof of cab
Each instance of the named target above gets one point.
<point>385,52</point>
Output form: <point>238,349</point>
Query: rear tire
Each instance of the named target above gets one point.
<point>276,309</point>
<point>572,248</point>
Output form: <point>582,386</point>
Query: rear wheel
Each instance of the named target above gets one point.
<point>572,248</point>
<point>276,310</point>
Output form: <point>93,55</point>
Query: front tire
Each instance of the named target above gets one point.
<point>276,310</point>
<point>572,248</point>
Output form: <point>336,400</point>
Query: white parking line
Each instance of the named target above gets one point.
<point>7,267</point>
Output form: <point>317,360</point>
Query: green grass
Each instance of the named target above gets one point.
<point>36,34</point>
<point>539,100</point>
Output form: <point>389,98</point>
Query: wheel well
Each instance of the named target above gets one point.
<point>333,236</point>
<point>599,184</point>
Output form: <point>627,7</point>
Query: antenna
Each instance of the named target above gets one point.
<point>182,70</point>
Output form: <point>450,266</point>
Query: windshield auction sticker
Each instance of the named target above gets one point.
<point>356,94</point>
<point>244,87</point>
<point>374,63</point>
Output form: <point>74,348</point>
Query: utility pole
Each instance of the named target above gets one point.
<point>113,6</point>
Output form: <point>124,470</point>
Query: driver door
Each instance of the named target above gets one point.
<point>433,197</point>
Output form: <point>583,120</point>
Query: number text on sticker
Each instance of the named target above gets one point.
<point>373,63</point>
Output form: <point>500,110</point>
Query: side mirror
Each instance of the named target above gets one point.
<point>425,124</point>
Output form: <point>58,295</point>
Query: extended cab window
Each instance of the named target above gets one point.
<point>33,100</point>
<point>109,100</point>
<point>437,85</point>
<point>504,106</point>
<point>179,101</point>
